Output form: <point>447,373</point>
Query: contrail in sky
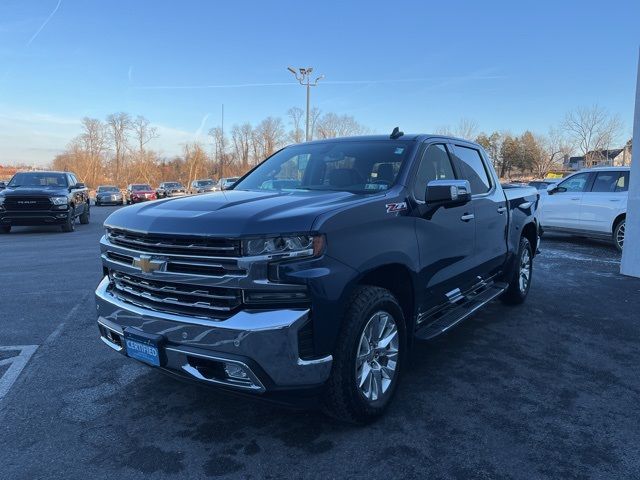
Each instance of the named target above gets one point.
<point>329,82</point>
<point>201,127</point>
<point>44,24</point>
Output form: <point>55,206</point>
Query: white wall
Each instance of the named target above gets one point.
<point>631,252</point>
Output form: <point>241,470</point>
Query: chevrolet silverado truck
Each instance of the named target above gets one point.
<point>44,198</point>
<point>315,274</point>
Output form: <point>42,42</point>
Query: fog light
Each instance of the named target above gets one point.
<point>233,370</point>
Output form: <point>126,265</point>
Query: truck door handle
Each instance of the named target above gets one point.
<point>501,210</point>
<point>576,198</point>
<point>467,217</point>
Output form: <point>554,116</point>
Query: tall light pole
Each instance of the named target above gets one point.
<point>303,75</point>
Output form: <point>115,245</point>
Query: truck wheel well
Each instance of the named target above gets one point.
<point>397,279</point>
<point>618,219</point>
<point>531,233</point>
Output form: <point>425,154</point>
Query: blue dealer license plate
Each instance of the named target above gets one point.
<point>141,348</point>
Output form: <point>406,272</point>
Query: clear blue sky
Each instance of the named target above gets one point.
<point>419,65</point>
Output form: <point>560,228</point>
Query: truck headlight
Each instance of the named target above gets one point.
<point>59,200</point>
<point>285,246</point>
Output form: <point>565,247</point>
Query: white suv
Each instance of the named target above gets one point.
<point>591,202</point>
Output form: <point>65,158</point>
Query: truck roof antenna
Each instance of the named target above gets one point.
<point>396,133</point>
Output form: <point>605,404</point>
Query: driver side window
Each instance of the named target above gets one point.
<point>577,183</point>
<point>435,165</point>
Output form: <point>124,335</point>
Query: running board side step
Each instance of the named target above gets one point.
<point>459,312</point>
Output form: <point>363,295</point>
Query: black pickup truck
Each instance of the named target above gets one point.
<point>44,198</point>
<point>315,274</point>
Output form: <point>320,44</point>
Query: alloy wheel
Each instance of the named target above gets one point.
<point>525,270</point>
<point>377,357</point>
<point>620,235</point>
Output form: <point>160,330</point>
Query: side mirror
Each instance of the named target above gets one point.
<point>555,189</point>
<point>454,192</point>
<point>79,185</point>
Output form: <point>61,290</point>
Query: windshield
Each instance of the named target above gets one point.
<point>204,183</point>
<point>107,189</point>
<point>141,188</point>
<point>38,179</point>
<point>349,166</point>
<point>172,185</point>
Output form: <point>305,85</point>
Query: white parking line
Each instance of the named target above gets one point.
<point>16,365</point>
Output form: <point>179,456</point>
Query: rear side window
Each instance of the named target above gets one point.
<point>607,181</point>
<point>473,169</point>
<point>623,182</point>
<point>435,165</point>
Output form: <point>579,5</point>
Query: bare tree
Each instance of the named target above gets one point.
<point>296,116</point>
<point>268,137</point>
<point>331,125</point>
<point>554,147</point>
<point>196,160</point>
<point>241,138</point>
<point>592,130</point>
<point>221,157</point>
<point>467,128</point>
<point>314,115</point>
<point>85,154</point>
<point>119,125</point>
<point>143,133</point>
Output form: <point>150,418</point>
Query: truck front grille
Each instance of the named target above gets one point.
<point>175,244</point>
<point>27,203</point>
<point>178,298</point>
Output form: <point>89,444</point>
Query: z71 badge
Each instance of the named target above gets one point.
<point>396,207</point>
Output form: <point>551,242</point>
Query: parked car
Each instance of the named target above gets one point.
<point>544,184</point>
<point>3,185</point>
<point>139,192</point>
<point>108,195</point>
<point>203,186</point>
<point>592,203</point>
<point>170,189</point>
<point>227,183</point>
<point>322,289</point>
<point>44,198</point>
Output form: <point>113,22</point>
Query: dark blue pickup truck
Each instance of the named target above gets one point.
<point>315,274</point>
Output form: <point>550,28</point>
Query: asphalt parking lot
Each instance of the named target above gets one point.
<point>549,389</point>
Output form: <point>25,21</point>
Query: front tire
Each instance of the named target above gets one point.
<point>520,281</point>
<point>84,218</point>
<point>368,358</point>
<point>618,234</point>
<point>69,224</point>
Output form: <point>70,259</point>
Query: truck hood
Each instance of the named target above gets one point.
<point>232,213</point>
<point>34,191</point>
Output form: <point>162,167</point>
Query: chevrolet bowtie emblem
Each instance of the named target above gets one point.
<point>147,264</point>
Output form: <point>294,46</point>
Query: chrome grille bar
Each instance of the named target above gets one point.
<point>222,247</point>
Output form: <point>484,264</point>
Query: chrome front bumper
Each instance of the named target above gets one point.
<point>264,343</point>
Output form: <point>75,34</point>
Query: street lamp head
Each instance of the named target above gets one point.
<point>303,71</point>
<point>292,70</point>
<point>319,78</point>
<point>309,69</point>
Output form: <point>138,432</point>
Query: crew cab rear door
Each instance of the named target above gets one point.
<point>604,200</point>
<point>490,209</point>
<point>446,236</point>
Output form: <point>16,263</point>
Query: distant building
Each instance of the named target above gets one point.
<point>617,157</point>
